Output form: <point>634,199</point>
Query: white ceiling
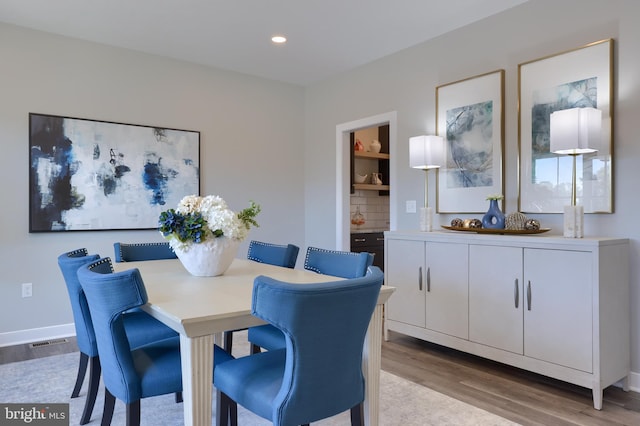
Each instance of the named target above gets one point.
<point>326,37</point>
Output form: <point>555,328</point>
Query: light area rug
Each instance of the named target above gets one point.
<point>402,403</point>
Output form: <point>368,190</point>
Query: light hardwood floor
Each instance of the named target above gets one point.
<point>517,395</point>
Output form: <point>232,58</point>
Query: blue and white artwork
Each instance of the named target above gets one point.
<point>575,94</point>
<point>470,146</point>
<point>97,175</point>
<point>470,117</point>
<point>573,79</point>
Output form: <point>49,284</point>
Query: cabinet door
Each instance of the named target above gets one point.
<point>405,264</point>
<point>558,312</point>
<point>495,297</point>
<point>447,288</point>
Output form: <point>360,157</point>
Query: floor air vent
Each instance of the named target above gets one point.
<point>48,343</point>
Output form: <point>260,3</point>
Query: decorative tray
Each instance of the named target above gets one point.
<point>498,231</point>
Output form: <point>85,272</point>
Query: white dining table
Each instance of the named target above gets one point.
<point>200,309</point>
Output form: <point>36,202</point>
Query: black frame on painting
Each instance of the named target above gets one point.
<point>90,175</point>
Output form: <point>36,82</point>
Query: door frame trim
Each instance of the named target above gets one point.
<point>343,192</point>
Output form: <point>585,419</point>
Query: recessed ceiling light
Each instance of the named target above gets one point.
<point>279,39</point>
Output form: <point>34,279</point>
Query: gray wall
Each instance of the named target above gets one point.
<point>405,82</point>
<point>275,143</point>
<point>251,148</point>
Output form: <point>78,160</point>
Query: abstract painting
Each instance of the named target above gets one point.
<point>98,175</point>
<point>470,117</point>
<point>469,138</point>
<point>578,78</point>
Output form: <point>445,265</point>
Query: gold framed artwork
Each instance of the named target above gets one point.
<point>577,78</point>
<point>470,117</point>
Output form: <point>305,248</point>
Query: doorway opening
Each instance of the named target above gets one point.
<point>344,153</point>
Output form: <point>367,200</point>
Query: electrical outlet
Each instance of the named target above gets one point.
<point>27,289</point>
<point>411,206</point>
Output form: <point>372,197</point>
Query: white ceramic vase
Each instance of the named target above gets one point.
<point>375,146</point>
<point>209,258</point>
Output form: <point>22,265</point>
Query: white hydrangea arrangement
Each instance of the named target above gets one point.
<point>496,197</point>
<point>197,219</point>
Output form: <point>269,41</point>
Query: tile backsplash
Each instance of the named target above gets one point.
<point>374,208</point>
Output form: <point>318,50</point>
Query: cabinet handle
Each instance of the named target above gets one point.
<point>516,293</point>
<point>428,279</point>
<point>359,240</point>
<point>380,239</point>
<point>529,296</point>
<point>420,278</point>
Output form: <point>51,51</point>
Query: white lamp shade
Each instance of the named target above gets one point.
<point>426,152</point>
<point>575,131</point>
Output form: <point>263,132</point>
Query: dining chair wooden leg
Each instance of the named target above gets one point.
<point>92,393</point>
<point>178,397</point>
<point>109,405</point>
<point>82,370</point>
<point>228,341</point>
<point>133,413</point>
<point>357,415</point>
<point>232,408</point>
<point>226,410</point>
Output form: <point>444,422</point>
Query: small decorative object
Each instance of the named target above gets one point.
<point>515,221</point>
<point>376,178</point>
<point>205,234</point>
<point>472,223</point>
<point>358,146</point>
<point>457,223</point>
<point>360,178</point>
<point>532,224</point>
<point>375,146</point>
<point>475,224</point>
<point>357,218</point>
<point>494,218</point>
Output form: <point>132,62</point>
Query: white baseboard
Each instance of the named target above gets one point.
<point>634,382</point>
<point>36,335</point>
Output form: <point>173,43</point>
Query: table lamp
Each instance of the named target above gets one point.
<point>574,132</point>
<point>426,152</point>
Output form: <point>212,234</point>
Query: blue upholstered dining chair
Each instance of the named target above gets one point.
<point>309,379</point>
<point>133,252</point>
<point>343,264</point>
<point>272,254</point>
<point>141,328</point>
<point>337,263</point>
<point>129,374</point>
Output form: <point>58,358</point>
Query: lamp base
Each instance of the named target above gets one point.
<point>573,221</point>
<point>426,219</point>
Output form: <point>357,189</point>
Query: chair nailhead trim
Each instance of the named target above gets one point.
<point>260,243</point>
<point>82,251</point>
<point>310,249</point>
<point>100,262</point>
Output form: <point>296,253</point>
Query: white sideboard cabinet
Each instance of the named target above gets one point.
<point>552,305</point>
